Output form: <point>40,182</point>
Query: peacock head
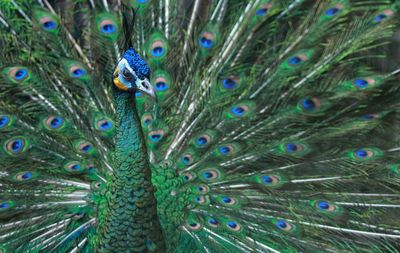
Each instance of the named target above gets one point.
<point>133,73</point>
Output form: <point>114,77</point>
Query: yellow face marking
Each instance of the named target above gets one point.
<point>117,82</point>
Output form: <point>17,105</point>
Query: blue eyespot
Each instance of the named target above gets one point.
<point>78,72</point>
<point>368,117</point>
<point>75,166</point>
<point>4,205</point>
<point>295,60</point>
<point>161,86</point>
<point>232,224</point>
<point>281,224</point>
<point>20,74</point>
<point>267,179</point>
<point>213,221</point>
<point>291,147</point>
<point>208,174</point>
<point>201,141</point>
<point>17,145</point>
<point>155,137</point>
<point>138,94</point>
<point>229,83</point>
<point>86,148</point>
<point>56,122</point>
<point>157,51</point>
<point>4,120</point>
<point>186,159</point>
<point>108,28</point>
<point>142,1</point>
<point>361,153</point>
<point>263,9</point>
<point>332,11</point>
<point>238,110</point>
<point>226,200</point>
<point>147,122</point>
<point>49,25</point>
<point>261,12</point>
<point>205,42</point>
<point>323,205</point>
<point>224,150</point>
<point>361,83</point>
<point>105,125</point>
<point>27,175</point>
<point>308,104</point>
<point>380,17</point>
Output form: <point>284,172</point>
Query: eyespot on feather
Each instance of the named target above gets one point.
<point>201,199</point>
<point>104,125</point>
<point>201,189</point>
<point>333,11</point>
<point>297,59</point>
<point>6,121</point>
<point>96,185</point>
<point>309,105</point>
<point>284,225</point>
<point>210,175</point>
<point>325,207</point>
<point>155,136</point>
<point>53,123</point>
<point>188,177</point>
<point>17,74</point>
<point>270,181</point>
<point>383,16</point>
<point>157,48</point>
<point>263,9</point>
<point>295,148</point>
<point>6,205</point>
<point>74,166</point>
<point>16,145</point>
<point>204,139</point>
<point>213,222</point>
<point>107,26</point>
<point>233,225</point>
<point>46,20</point>
<point>241,110</point>
<point>85,147</point>
<point>228,201</point>
<point>226,150</point>
<point>231,82</point>
<point>364,154</point>
<point>147,120</point>
<point>25,176</point>
<point>206,40</point>
<point>193,226</point>
<point>187,159</point>
<point>77,71</point>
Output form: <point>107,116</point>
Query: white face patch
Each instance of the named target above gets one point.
<point>140,85</point>
<point>123,64</point>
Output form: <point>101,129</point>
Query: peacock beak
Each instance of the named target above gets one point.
<point>145,87</point>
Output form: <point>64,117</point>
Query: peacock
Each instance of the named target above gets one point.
<point>199,126</point>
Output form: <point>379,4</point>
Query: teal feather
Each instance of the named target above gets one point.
<point>274,129</point>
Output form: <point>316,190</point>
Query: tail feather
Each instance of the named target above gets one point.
<point>272,132</point>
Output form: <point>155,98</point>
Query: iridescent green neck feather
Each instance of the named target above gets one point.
<point>130,222</point>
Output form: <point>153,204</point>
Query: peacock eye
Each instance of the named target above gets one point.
<point>145,85</point>
<point>127,74</point>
